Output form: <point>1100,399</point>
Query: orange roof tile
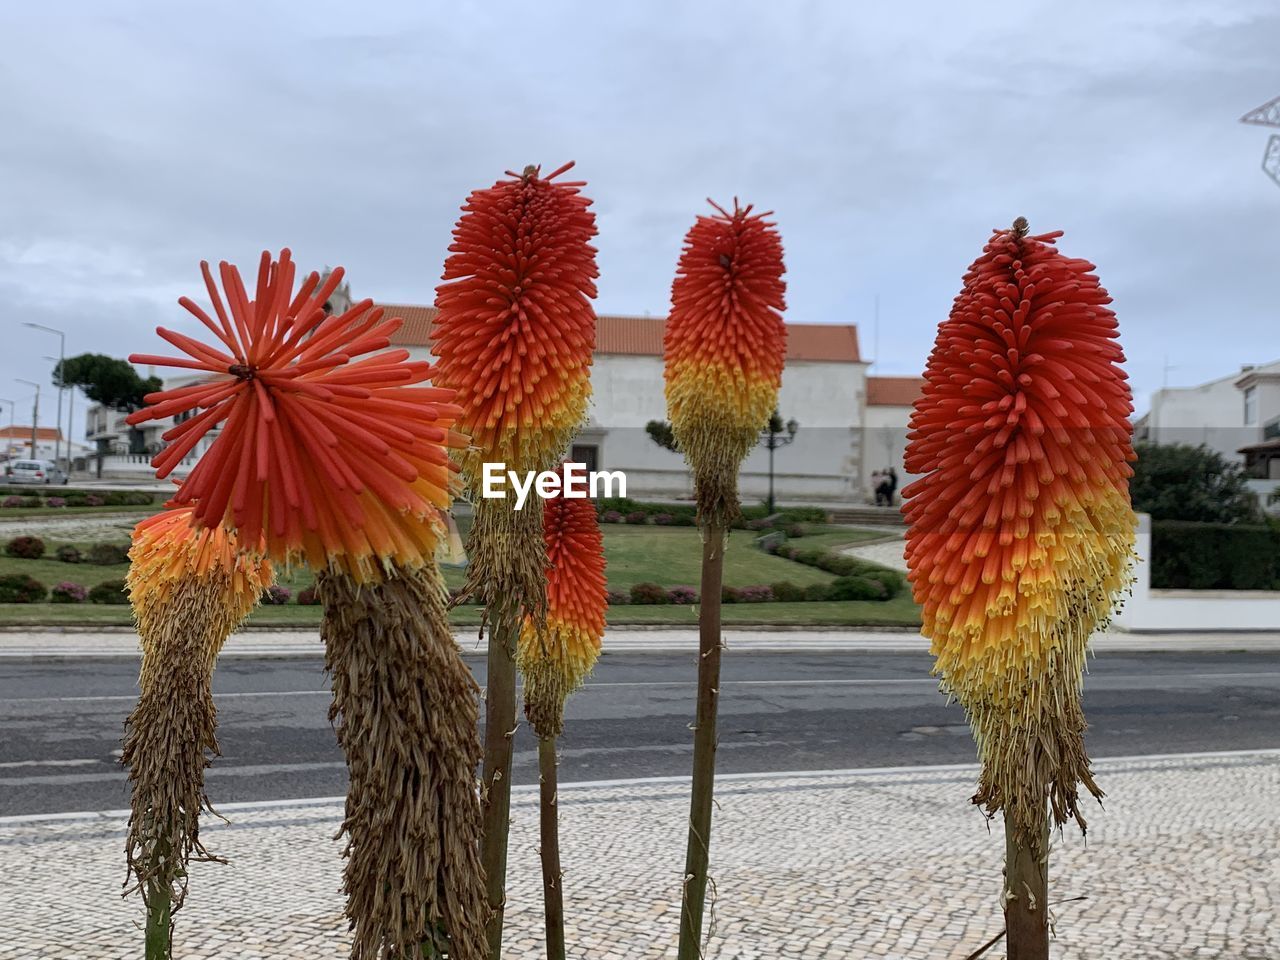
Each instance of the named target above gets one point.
<point>893,391</point>
<point>642,336</point>
<point>24,433</point>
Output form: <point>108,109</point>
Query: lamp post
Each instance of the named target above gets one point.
<point>35,414</point>
<point>9,438</point>
<point>773,437</point>
<point>65,438</point>
<point>62,355</point>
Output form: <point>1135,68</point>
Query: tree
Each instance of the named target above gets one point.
<point>106,380</point>
<point>1177,481</point>
<point>660,432</point>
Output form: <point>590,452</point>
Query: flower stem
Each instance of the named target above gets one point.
<point>697,852</point>
<point>1026,901</point>
<point>499,732</point>
<point>158,935</point>
<point>552,891</point>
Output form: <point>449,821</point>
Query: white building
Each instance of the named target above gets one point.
<point>824,386</point>
<point>886,413</point>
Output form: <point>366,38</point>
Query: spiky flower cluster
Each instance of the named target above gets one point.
<point>556,657</point>
<point>515,330</point>
<point>1021,527</point>
<point>336,460</point>
<point>724,345</point>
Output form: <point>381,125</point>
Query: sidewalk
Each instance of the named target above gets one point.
<point>838,866</point>
<point>283,644</point>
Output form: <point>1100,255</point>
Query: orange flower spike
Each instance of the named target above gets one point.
<point>557,658</point>
<point>1021,529</point>
<point>313,434</point>
<point>515,330</point>
<point>724,346</point>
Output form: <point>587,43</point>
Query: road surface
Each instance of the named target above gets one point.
<point>60,723</point>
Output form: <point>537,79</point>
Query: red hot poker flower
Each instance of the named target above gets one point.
<point>516,331</point>
<point>329,457</point>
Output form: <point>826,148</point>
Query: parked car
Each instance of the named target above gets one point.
<point>35,471</point>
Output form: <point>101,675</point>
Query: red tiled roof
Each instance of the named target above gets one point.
<point>893,391</point>
<point>642,336</point>
<point>24,433</point>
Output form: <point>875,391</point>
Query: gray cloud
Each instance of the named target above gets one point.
<point>139,141</point>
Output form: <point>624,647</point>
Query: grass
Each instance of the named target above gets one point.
<point>636,554</point>
<point>824,536</point>
<point>671,556</point>
<point>898,612</point>
<point>18,513</point>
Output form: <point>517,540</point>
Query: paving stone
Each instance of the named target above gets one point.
<point>1181,863</point>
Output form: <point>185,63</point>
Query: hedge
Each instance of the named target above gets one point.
<point>1215,556</point>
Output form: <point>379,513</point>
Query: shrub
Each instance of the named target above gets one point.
<point>10,502</point>
<point>56,502</point>
<point>637,516</point>
<point>25,548</point>
<point>21,588</point>
<point>93,500</point>
<point>664,519</point>
<point>137,498</point>
<point>784,591</point>
<point>687,518</point>
<point>113,498</point>
<point>650,593</point>
<point>729,594</point>
<point>1214,556</point>
<point>76,500</point>
<point>756,593</point>
<point>109,591</point>
<point>108,554</point>
<point>309,597</point>
<point>893,581</point>
<point>810,557</point>
<point>804,514</point>
<point>67,592</point>
<point>618,598</point>
<point>683,595</point>
<point>276,595</point>
<point>762,523</point>
<point>794,530</point>
<point>611,516</point>
<point>67,554</point>
<point>857,588</point>
<point>817,591</point>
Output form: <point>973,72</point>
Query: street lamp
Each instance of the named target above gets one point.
<point>35,414</point>
<point>62,355</point>
<point>773,437</point>
<point>71,415</point>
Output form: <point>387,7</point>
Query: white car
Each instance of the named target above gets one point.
<point>35,471</point>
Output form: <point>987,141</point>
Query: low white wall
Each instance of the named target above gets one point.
<point>1219,611</point>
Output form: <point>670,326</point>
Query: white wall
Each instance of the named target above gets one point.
<point>1206,610</point>
<point>1213,413</point>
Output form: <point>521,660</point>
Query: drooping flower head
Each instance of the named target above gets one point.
<point>168,550</point>
<point>556,657</point>
<point>516,330</point>
<point>332,456</point>
<point>724,345</point>
<point>1021,529</point>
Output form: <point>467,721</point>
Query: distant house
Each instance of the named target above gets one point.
<point>15,443</point>
<point>1237,415</point>
<point>886,414</point>
<point>823,386</point>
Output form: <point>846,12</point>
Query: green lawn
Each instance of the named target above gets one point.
<point>15,513</point>
<point>672,556</point>
<point>669,556</point>
<point>824,536</point>
<point>897,612</point>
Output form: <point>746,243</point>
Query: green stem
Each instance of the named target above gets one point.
<point>158,932</point>
<point>499,732</point>
<point>552,888</point>
<point>698,849</point>
<point>1026,901</point>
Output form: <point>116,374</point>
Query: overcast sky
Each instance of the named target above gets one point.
<point>136,141</point>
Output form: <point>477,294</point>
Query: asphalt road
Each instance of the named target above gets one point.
<point>60,723</point>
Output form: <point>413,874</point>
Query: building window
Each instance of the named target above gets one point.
<point>586,454</point>
<point>1250,406</point>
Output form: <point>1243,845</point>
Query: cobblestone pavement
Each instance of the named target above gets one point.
<point>1180,864</point>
